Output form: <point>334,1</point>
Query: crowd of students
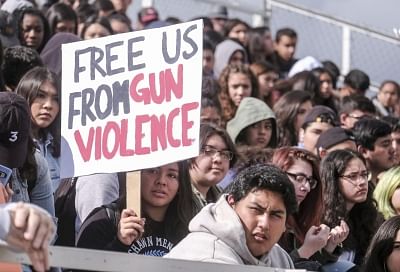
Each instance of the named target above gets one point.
<point>297,168</point>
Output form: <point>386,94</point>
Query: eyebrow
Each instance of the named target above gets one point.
<point>275,211</point>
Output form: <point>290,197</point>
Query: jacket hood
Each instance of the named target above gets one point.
<point>223,53</point>
<point>51,53</point>
<point>250,111</point>
<point>220,220</point>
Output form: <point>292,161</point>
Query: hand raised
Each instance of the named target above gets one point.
<point>130,227</point>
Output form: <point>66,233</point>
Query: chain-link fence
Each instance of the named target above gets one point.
<point>346,44</point>
<point>322,36</point>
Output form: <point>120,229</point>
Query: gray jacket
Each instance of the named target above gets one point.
<point>217,235</point>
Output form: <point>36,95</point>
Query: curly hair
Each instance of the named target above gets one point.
<point>311,208</point>
<point>361,217</point>
<point>228,107</point>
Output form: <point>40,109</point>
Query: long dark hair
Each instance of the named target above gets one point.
<point>20,14</point>
<point>286,110</point>
<point>361,218</point>
<point>29,87</point>
<point>311,208</point>
<point>381,246</point>
<point>179,211</point>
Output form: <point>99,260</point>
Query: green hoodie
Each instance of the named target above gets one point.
<point>250,111</point>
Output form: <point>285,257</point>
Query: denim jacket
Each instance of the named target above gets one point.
<point>46,149</point>
<point>41,194</point>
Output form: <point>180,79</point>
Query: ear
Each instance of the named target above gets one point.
<point>343,117</point>
<point>363,151</point>
<point>231,201</point>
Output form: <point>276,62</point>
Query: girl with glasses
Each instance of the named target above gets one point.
<point>217,155</point>
<point>347,197</point>
<point>310,243</point>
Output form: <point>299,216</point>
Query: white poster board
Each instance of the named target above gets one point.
<point>131,101</point>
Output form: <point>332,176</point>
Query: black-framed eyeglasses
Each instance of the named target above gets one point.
<point>210,151</point>
<point>354,178</point>
<point>302,179</point>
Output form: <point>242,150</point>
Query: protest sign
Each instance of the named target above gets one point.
<point>131,101</point>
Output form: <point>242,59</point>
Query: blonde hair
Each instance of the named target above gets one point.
<point>387,185</point>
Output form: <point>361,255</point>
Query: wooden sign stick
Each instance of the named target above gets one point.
<point>133,195</point>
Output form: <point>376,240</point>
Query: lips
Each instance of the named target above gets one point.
<point>159,193</point>
<point>362,192</point>
<point>260,237</point>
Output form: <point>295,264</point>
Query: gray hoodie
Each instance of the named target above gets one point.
<point>217,235</point>
<point>223,54</point>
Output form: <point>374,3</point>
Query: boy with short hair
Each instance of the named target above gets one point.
<point>284,49</point>
<point>244,226</point>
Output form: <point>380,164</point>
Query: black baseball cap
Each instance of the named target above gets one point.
<point>321,114</point>
<point>334,136</point>
<point>15,123</point>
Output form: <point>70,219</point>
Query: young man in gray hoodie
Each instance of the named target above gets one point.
<point>243,226</point>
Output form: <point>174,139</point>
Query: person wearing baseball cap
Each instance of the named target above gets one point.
<point>334,139</point>
<point>318,120</point>
<point>14,129</point>
<point>30,179</point>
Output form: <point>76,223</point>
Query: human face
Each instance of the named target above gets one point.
<point>302,112</point>
<point>218,24</point>
<point>45,107</point>
<point>241,33</point>
<point>32,31</point>
<point>119,27</point>
<point>263,216</point>
<point>395,201</point>
<point>237,58</point>
<point>393,261</point>
<point>312,133</point>
<point>300,167</point>
<point>382,156</point>
<point>208,61</point>
<point>266,83</point>
<point>353,183</point>
<point>396,146</point>
<point>388,95</point>
<point>268,43</point>
<point>207,171</point>
<point>348,120</point>
<point>239,87</point>
<point>286,47</point>
<point>65,26</point>
<point>210,115</point>
<point>326,85</point>
<point>159,186</point>
<point>95,31</point>
<point>259,134</point>
<point>121,5</point>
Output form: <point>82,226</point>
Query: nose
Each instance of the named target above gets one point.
<point>32,33</point>
<point>305,186</point>
<point>48,104</point>
<point>217,157</point>
<point>263,221</point>
<point>161,179</point>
